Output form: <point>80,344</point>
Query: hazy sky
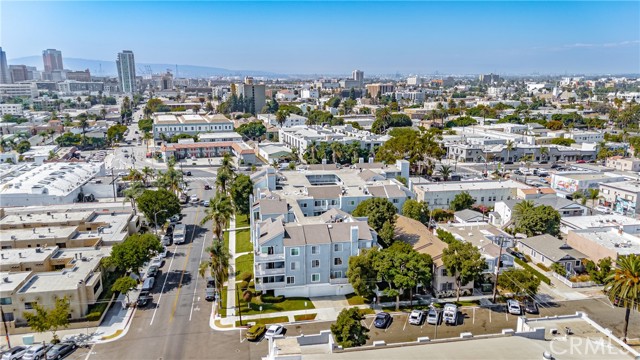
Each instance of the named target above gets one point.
<point>336,37</point>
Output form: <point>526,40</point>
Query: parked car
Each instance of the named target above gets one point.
<point>517,254</point>
<point>255,332</point>
<point>157,261</point>
<point>164,253</point>
<point>382,321</point>
<point>434,317</point>
<point>531,307</point>
<point>14,353</point>
<point>188,173</point>
<point>206,203</point>
<point>603,209</point>
<point>60,350</point>
<point>193,158</point>
<point>580,162</point>
<point>166,240</point>
<point>143,299</point>
<point>211,282</point>
<point>175,218</point>
<point>209,294</point>
<point>193,198</point>
<point>513,306</point>
<point>152,272</point>
<point>450,314</point>
<point>416,317</point>
<point>36,352</point>
<point>555,166</point>
<point>207,187</point>
<point>274,330</point>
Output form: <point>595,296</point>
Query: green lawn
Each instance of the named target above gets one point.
<point>265,321</point>
<point>244,263</point>
<point>305,317</point>
<point>288,304</point>
<point>226,239</point>
<point>242,221</point>
<point>243,241</point>
<point>223,302</point>
<point>354,299</point>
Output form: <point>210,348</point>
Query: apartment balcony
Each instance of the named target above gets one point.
<point>265,272</point>
<point>338,281</point>
<point>261,258</point>
<point>270,286</point>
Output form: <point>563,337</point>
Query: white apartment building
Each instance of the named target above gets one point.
<point>301,136</point>
<point>585,136</point>
<point>10,109</point>
<point>623,164</point>
<point>291,120</point>
<point>570,182</point>
<point>623,197</point>
<point>29,90</point>
<point>440,195</point>
<point>171,124</point>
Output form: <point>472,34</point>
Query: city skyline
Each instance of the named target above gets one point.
<point>380,38</point>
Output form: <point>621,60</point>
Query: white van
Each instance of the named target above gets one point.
<point>148,284</point>
<point>450,314</point>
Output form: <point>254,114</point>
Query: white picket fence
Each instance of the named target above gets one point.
<point>571,284</point>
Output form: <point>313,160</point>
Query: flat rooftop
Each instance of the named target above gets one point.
<point>628,186</point>
<point>14,281</point>
<point>37,219</point>
<point>471,185</point>
<point>56,179</point>
<point>597,221</point>
<point>18,256</point>
<point>586,176</point>
<point>68,278</point>
<point>622,244</point>
<point>37,233</point>
<point>178,118</point>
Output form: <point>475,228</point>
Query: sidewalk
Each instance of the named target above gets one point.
<point>231,281</point>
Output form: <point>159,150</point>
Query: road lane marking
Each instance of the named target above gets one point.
<point>405,323</point>
<point>474,316</point>
<point>90,352</point>
<point>175,249</point>
<point>490,311</point>
<point>184,270</point>
<point>204,241</point>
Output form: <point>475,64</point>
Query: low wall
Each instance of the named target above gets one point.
<point>317,339</point>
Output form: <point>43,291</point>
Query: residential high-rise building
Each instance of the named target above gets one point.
<point>250,90</point>
<point>358,75</point>
<point>52,60</point>
<point>5,77</point>
<point>489,78</point>
<point>379,89</point>
<point>126,71</point>
<point>79,75</point>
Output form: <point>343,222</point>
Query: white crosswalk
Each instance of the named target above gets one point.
<point>201,178</point>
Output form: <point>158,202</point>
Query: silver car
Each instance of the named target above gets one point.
<point>36,352</point>
<point>14,353</point>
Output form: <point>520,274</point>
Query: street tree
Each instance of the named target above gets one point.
<point>219,213</point>
<point>218,262</point>
<point>623,286</point>
<point>463,262</point>
<point>253,130</point>
<point>361,273</point>
<point>462,201</point>
<point>520,282</point>
<point>133,252</point>
<point>240,190</point>
<point>348,328</point>
<point>158,205</point>
<point>378,211</point>
<point>44,319</point>
<point>123,285</point>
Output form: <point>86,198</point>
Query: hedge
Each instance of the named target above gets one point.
<point>535,272</point>
<point>94,316</point>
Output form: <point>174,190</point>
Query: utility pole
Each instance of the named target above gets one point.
<point>113,184</point>
<point>6,330</point>
<point>495,285</point>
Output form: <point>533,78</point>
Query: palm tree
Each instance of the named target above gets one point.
<point>147,173</point>
<point>172,179</point>
<point>510,146</point>
<point>281,117</point>
<point>593,195</point>
<point>133,192</point>
<point>83,124</point>
<point>219,262</point>
<point>219,211</point>
<point>520,209</point>
<point>544,152</point>
<point>445,170</point>
<point>103,113</point>
<point>312,150</point>
<point>135,175</point>
<point>623,286</point>
<point>336,151</point>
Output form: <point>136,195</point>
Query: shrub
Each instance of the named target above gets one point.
<point>535,272</point>
<point>559,269</point>
<point>542,266</point>
<point>244,285</point>
<point>272,299</point>
<point>252,284</point>
<point>581,278</point>
<point>247,295</point>
<point>94,316</point>
<point>245,276</point>
<point>528,258</point>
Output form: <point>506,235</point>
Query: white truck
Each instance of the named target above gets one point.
<point>179,234</point>
<point>450,314</point>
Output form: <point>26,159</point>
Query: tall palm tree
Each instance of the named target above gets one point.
<point>147,173</point>
<point>446,171</point>
<point>520,209</point>
<point>336,151</point>
<point>84,123</point>
<point>219,261</point>
<point>312,150</point>
<point>219,212</point>
<point>281,117</point>
<point>623,286</point>
<point>135,175</point>
<point>510,146</point>
<point>593,195</point>
<point>133,192</point>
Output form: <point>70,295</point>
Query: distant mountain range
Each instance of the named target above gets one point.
<point>108,68</point>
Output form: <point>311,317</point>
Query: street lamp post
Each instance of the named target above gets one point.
<point>155,219</point>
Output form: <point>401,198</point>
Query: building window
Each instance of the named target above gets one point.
<point>293,266</point>
<point>315,277</point>
<point>291,280</point>
<point>336,274</point>
<point>8,316</point>
<point>314,250</point>
<point>96,287</point>
<point>5,301</point>
<point>294,251</point>
<point>443,272</point>
<point>29,305</point>
<point>337,261</point>
<point>395,201</point>
<point>315,263</point>
<point>337,247</point>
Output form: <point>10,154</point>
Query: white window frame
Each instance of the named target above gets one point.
<point>294,266</point>
<point>296,249</point>
<point>337,247</point>
<point>315,263</point>
<point>312,276</point>
<point>293,280</point>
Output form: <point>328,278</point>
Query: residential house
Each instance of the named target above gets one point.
<point>548,250</point>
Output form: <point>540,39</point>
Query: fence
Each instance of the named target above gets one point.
<point>571,284</point>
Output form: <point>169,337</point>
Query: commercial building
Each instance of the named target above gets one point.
<point>187,150</point>
<point>600,243</point>
<point>291,120</point>
<point>5,76</point>
<point>250,90</point>
<point>79,75</point>
<point>10,109</point>
<point>169,124</point>
<point>126,71</point>
<point>18,73</point>
<point>73,87</point>
<point>378,89</point>
<point>52,60</point>
<point>623,164</point>
<point>621,196</point>
<point>305,259</point>
<point>273,151</point>
<point>48,184</point>
<point>27,90</point>
<point>358,75</point>
<point>440,195</point>
<point>489,78</point>
<point>627,224</point>
<point>302,136</point>
<point>570,182</point>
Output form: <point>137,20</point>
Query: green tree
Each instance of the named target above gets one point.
<point>218,262</point>
<point>386,235</point>
<point>240,190</point>
<point>445,236</point>
<point>281,117</point>
<point>538,220</point>
<point>253,130</point>
<point>623,286</point>
<point>50,319</point>
<point>559,269</point>
<point>520,282</point>
<point>133,192</point>
<point>562,141</point>
<point>23,146</point>
<point>416,210</point>
<point>361,273</point>
<point>219,212</point>
<point>462,201</point>
<point>115,133</point>
<point>348,329</point>
<point>463,262</point>
<point>153,202</point>
<point>599,272</point>
<point>123,285</point>
<point>145,125</point>
<point>378,211</point>
<point>446,172</point>
<point>133,252</point>
<point>593,195</point>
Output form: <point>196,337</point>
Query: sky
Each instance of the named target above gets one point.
<point>323,37</point>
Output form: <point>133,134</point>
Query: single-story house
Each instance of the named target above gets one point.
<point>548,250</point>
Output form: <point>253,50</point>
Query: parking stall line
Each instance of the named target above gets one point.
<point>405,323</point>
<point>474,316</point>
<point>490,315</point>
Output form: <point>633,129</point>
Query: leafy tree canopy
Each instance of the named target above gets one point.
<point>153,202</point>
